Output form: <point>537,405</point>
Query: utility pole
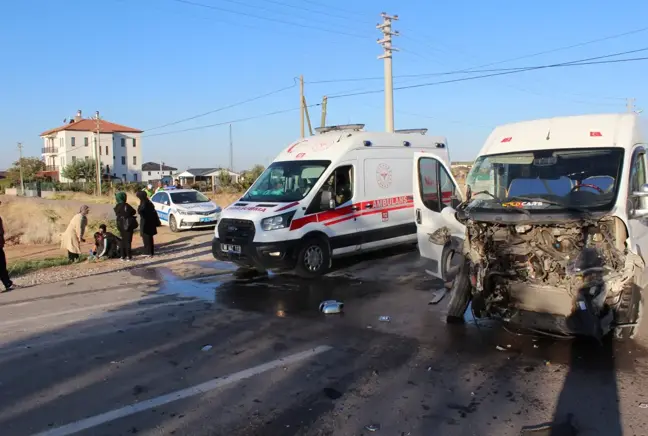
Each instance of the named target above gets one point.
<point>323,120</point>
<point>97,159</point>
<point>20,164</point>
<point>161,171</point>
<point>231,163</point>
<point>386,28</point>
<point>630,105</point>
<point>301,104</point>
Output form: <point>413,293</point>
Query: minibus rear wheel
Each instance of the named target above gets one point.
<point>313,258</point>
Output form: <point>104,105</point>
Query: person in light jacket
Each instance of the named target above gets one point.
<point>73,236</point>
<point>149,222</point>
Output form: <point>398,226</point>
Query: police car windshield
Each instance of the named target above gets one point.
<point>287,181</point>
<point>585,178</point>
<point>188,197</point>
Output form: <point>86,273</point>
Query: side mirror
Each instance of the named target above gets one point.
<point>327,202</point>
<point>642,203</point>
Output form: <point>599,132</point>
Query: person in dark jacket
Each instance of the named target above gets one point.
<point>4,274</point>
<point>127,224</point>
<point>149,222</point>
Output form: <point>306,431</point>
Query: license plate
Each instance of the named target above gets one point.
<point>228,248</point>
<point>205,220</point>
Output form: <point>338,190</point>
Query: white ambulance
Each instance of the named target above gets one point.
<point>340,192</point>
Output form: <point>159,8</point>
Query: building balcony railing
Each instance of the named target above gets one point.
<point>51,168</point>
<point>49,150</point>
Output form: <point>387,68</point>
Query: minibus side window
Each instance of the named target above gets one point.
<point>637,178</point>
<point>429,183</point>
<point>448,190</point>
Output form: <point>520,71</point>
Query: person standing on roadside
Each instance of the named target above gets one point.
<point>149,222</point>
<point>149,190</point>
<point>127,224</point>
<point>4,274</point>
<point>73,236</point>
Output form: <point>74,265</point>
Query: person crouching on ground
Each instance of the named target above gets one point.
<point>106,244</point>
<point>126,223</point>
<point>73,236</point>
<point>4,274</point>
<point>149,222</point>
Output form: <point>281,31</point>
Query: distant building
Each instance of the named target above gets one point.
<point>151,172</point>
<point>119,147</point>
<point>205,175</point>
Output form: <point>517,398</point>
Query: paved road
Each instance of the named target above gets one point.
<point>188,350</point>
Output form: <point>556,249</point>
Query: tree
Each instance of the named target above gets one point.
<point>80,170</point>
<point>30,166</point>
<point>224,179</point>
<point>248,177</point>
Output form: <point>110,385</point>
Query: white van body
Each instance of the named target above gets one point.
<point>282,223</point>
<point>579,181</point>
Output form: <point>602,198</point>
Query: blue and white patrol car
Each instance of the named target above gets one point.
<point>183,209</point>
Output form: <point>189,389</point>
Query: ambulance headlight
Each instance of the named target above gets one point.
<point>277,222</point>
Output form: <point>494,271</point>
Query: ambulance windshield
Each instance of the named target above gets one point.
<point>287,181</point>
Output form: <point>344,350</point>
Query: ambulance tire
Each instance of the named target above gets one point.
<point>313,257</point>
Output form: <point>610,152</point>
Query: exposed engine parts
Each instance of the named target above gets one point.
<point>574,270</point>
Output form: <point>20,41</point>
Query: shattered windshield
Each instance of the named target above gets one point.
<point>287,181</point>
<point>575,179</point>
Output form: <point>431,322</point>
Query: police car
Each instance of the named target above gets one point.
<point>183,209</point>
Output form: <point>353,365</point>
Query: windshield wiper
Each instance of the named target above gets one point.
<point>552,203</point>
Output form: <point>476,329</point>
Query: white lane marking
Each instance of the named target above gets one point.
<point>202,388</point>
<point>115,303</point>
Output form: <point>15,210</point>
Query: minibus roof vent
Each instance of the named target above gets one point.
<point>340,128</point>
<point>421,131</point>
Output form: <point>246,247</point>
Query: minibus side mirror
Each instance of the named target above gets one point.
<point>327,202</point>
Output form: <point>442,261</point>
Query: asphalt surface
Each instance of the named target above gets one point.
<point>187,349</point>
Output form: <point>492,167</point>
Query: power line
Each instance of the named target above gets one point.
<point>261,17</point>
<point>231,121</point>
<point>453,72</point>
<point>314,11</point>
<point>463,79</point>
<point>258,97</point>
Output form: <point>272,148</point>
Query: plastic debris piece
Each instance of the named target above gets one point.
<point>206,348</point>
<point>325,303</point>
<point>500,348</point>
<point>437,296</point>
<point>535,346</point>
<point>384,318</point>
<point>372,427</point>
<point>335,307</point>
<point>508,346</point>
<point>643,405</point>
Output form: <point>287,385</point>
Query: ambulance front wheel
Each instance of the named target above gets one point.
<point>313,258</point>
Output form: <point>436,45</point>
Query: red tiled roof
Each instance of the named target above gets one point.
<point>89,125</point>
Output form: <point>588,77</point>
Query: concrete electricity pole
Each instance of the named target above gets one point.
<point>302,105</point>
<point>20,164</point>
<point>386,28</point>
<point>231,144</point>
<point>97,153</point>
<point>630,105</point>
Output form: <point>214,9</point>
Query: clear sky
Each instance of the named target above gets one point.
<point>145,63</point>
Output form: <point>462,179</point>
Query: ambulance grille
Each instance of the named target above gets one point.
<point>237,232</point>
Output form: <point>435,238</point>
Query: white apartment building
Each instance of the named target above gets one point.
<point>119,147</point>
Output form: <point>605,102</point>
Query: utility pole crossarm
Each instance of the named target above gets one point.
<point>386,42</point>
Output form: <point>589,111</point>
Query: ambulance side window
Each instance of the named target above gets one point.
<point>340,183</point>
<point>637,178</point>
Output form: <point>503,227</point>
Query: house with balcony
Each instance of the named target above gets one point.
<point>118,147</point>
<point>155,172</point>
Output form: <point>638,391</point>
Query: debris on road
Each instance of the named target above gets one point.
<point>500,348</point>
<point>437,296</point>
<point>331,306</point>
<point>643,405</point>
<point>384,318</point>
<point>372,427</point>
<point>206,348</point>
<point>567,428</point>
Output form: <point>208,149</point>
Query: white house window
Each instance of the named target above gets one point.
<point>134,160</point>
<point>73,139</point>
<point>134,142</point>
<point>135,177</point>
<point>149,173</point>
<point>73,158</point>
<point>123,160</point>
<point>106,150</point>
<point>123,142</point>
